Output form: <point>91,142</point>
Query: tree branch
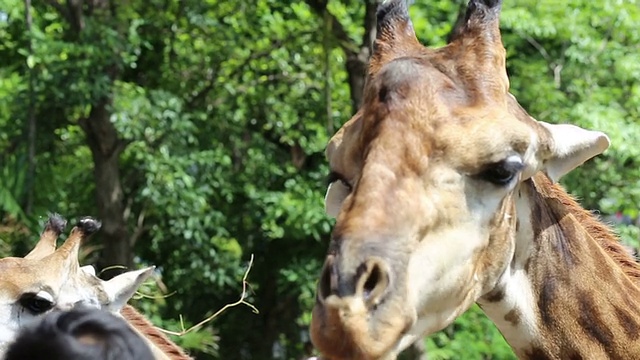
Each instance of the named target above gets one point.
<point>76,18</point>
<point>456,30</point>
<point>241,301</point>
<point>357,54</point>
<point>338,31</point>
<point>370,22</point>
<point>139,229</point>
<point>61,9</point>
<point>211,84</point>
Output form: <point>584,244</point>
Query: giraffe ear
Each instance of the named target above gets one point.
<point>89,269</point>
<point>570,146</point>
<point>336,193</point>
<point>122,287</point>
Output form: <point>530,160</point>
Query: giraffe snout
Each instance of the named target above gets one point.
<point>369,281</point>
<point>359,313</point>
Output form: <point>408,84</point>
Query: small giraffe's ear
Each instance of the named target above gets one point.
<point>122,287</point>
<point>570,146</point>
<point>89,269</point>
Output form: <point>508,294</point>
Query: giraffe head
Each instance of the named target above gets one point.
<point>422,185</point>
<point>48,278</point>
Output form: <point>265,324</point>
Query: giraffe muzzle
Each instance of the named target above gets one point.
<point>358,314</point>
<point>370,281</point>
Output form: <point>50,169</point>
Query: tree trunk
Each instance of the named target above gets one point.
<point>357,54</point>
<point>31,119</point>
<point>358,63</point>
<point>106,148</point>
<point>356,72</point>
<point>456,30</point>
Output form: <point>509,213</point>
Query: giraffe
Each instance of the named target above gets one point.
<point>445,194</point>
<point>47,279</point>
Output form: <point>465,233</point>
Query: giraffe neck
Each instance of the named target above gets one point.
<point>571,290</point>
<point>161,346</point>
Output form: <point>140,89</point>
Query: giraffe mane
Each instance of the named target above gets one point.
<point>603,234</point>
<point>153,334</point>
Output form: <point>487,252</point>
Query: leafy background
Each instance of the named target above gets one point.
<point>211,119</point>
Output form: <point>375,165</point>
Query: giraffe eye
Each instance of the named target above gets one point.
<point>502,172</point>
<point>37,303</point>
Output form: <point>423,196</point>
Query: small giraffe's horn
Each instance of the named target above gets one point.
<point>47,243</point>
<point>88,225</point>
<point>83,229</point>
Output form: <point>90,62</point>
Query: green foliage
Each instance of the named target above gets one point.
<point>471,336</point>
<point>150,300</point>
<point>224,110</point>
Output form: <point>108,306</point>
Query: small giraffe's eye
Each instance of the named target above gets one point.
<point>502,172</point>
<point>37,303</point>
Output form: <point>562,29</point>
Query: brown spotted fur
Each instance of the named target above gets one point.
<point>601,233</point>
<point>585,282</point>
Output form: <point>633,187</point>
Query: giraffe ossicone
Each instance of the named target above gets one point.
<point>445,195</point>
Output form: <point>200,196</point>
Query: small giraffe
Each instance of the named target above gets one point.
<point>444,193</point>
<point>47,279</point>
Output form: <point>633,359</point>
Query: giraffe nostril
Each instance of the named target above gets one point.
<point>369,282</point>
<point>325,287</point>
<point>373,281</point>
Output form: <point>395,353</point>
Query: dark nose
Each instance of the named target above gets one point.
<point>370,281</point>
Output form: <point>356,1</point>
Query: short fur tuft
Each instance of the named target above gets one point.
<point>55,223</point>
<point>88,225</point>
<point>391,11</point>
<point>483,9</point>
